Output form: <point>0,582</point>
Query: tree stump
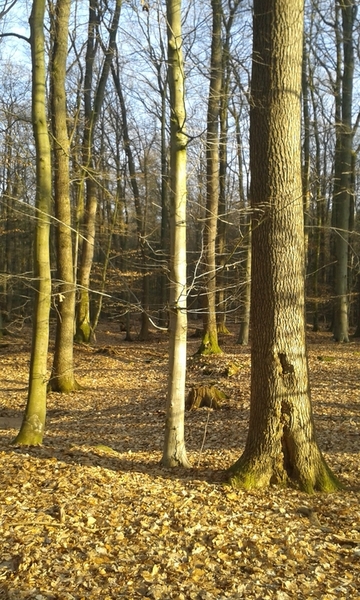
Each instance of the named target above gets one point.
<point>202,395</point>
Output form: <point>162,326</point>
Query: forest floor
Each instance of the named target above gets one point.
<point>91,514</point>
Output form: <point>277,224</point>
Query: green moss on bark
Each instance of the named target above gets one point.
<point>209,345</point>
<point>83,333</point>
<point>260,474</point>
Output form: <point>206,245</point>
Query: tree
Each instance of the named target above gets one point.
<point>152,29</point>
<point>223,168</point>
<point>92,107</point>
<point>343,165</point>
<point>62,376</point>
<point>281,443</point>
<point>209,343</point>
<point>139,213</point>
<point>32,428</point>
<point>245,228</point>
<point>174,453</point>
<point>17,181</point>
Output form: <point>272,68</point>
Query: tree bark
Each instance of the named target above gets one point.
<point>91,110</point>
<point>32,429</point>
<point>281,444</point>
<point>343,168</point>
<point>221,278</point>
<point>62,376</point>
<point>174,452</point>
<point>209,343</point>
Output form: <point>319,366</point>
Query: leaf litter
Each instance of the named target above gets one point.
<point>92,515</point>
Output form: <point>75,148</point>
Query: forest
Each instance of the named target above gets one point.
<point>179,299</point>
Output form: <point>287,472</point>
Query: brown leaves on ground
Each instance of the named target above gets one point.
<point>91,514</point>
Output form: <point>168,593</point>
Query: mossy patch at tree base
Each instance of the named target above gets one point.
<point>83,334</point>
<point>209,345</point>
<point>63,387</point>
<point>223,330</point>
<point>245,477</point>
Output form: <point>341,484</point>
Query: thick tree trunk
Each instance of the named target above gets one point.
<point>62,376</point>
<point>174,453</point>
<point>281,443</point>
<point>32,429</point>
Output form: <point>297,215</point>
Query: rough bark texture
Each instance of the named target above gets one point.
<point>33,425</point>
<point>174,453</point>
<point>62,376</point>
<point>281,444</point>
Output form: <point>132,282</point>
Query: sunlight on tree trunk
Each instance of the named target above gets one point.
<point>32,429</point>
<point>281,445</point>
<point>174,453</point>
<point>62,376</point>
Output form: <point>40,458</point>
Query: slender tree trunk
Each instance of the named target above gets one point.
<point>221,280</point>
<point>164,236</point>
<point>140,220</point>
<point>92,111</point>
<point>32,429</point>
<point>319,197</point>
<point>245,297</point>
<point>281,443</point>
<point>209,343</point>
<point>6,213</point>
<point>174,453</point>
<point>105,262</point>
<point>343,176</point>
<point>62,376</point>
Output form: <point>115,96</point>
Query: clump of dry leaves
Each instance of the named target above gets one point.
<point>91,515</point>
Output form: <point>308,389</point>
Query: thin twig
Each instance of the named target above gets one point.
<point>204,438</point>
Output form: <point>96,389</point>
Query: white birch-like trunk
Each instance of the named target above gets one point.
<point>174,453</point>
